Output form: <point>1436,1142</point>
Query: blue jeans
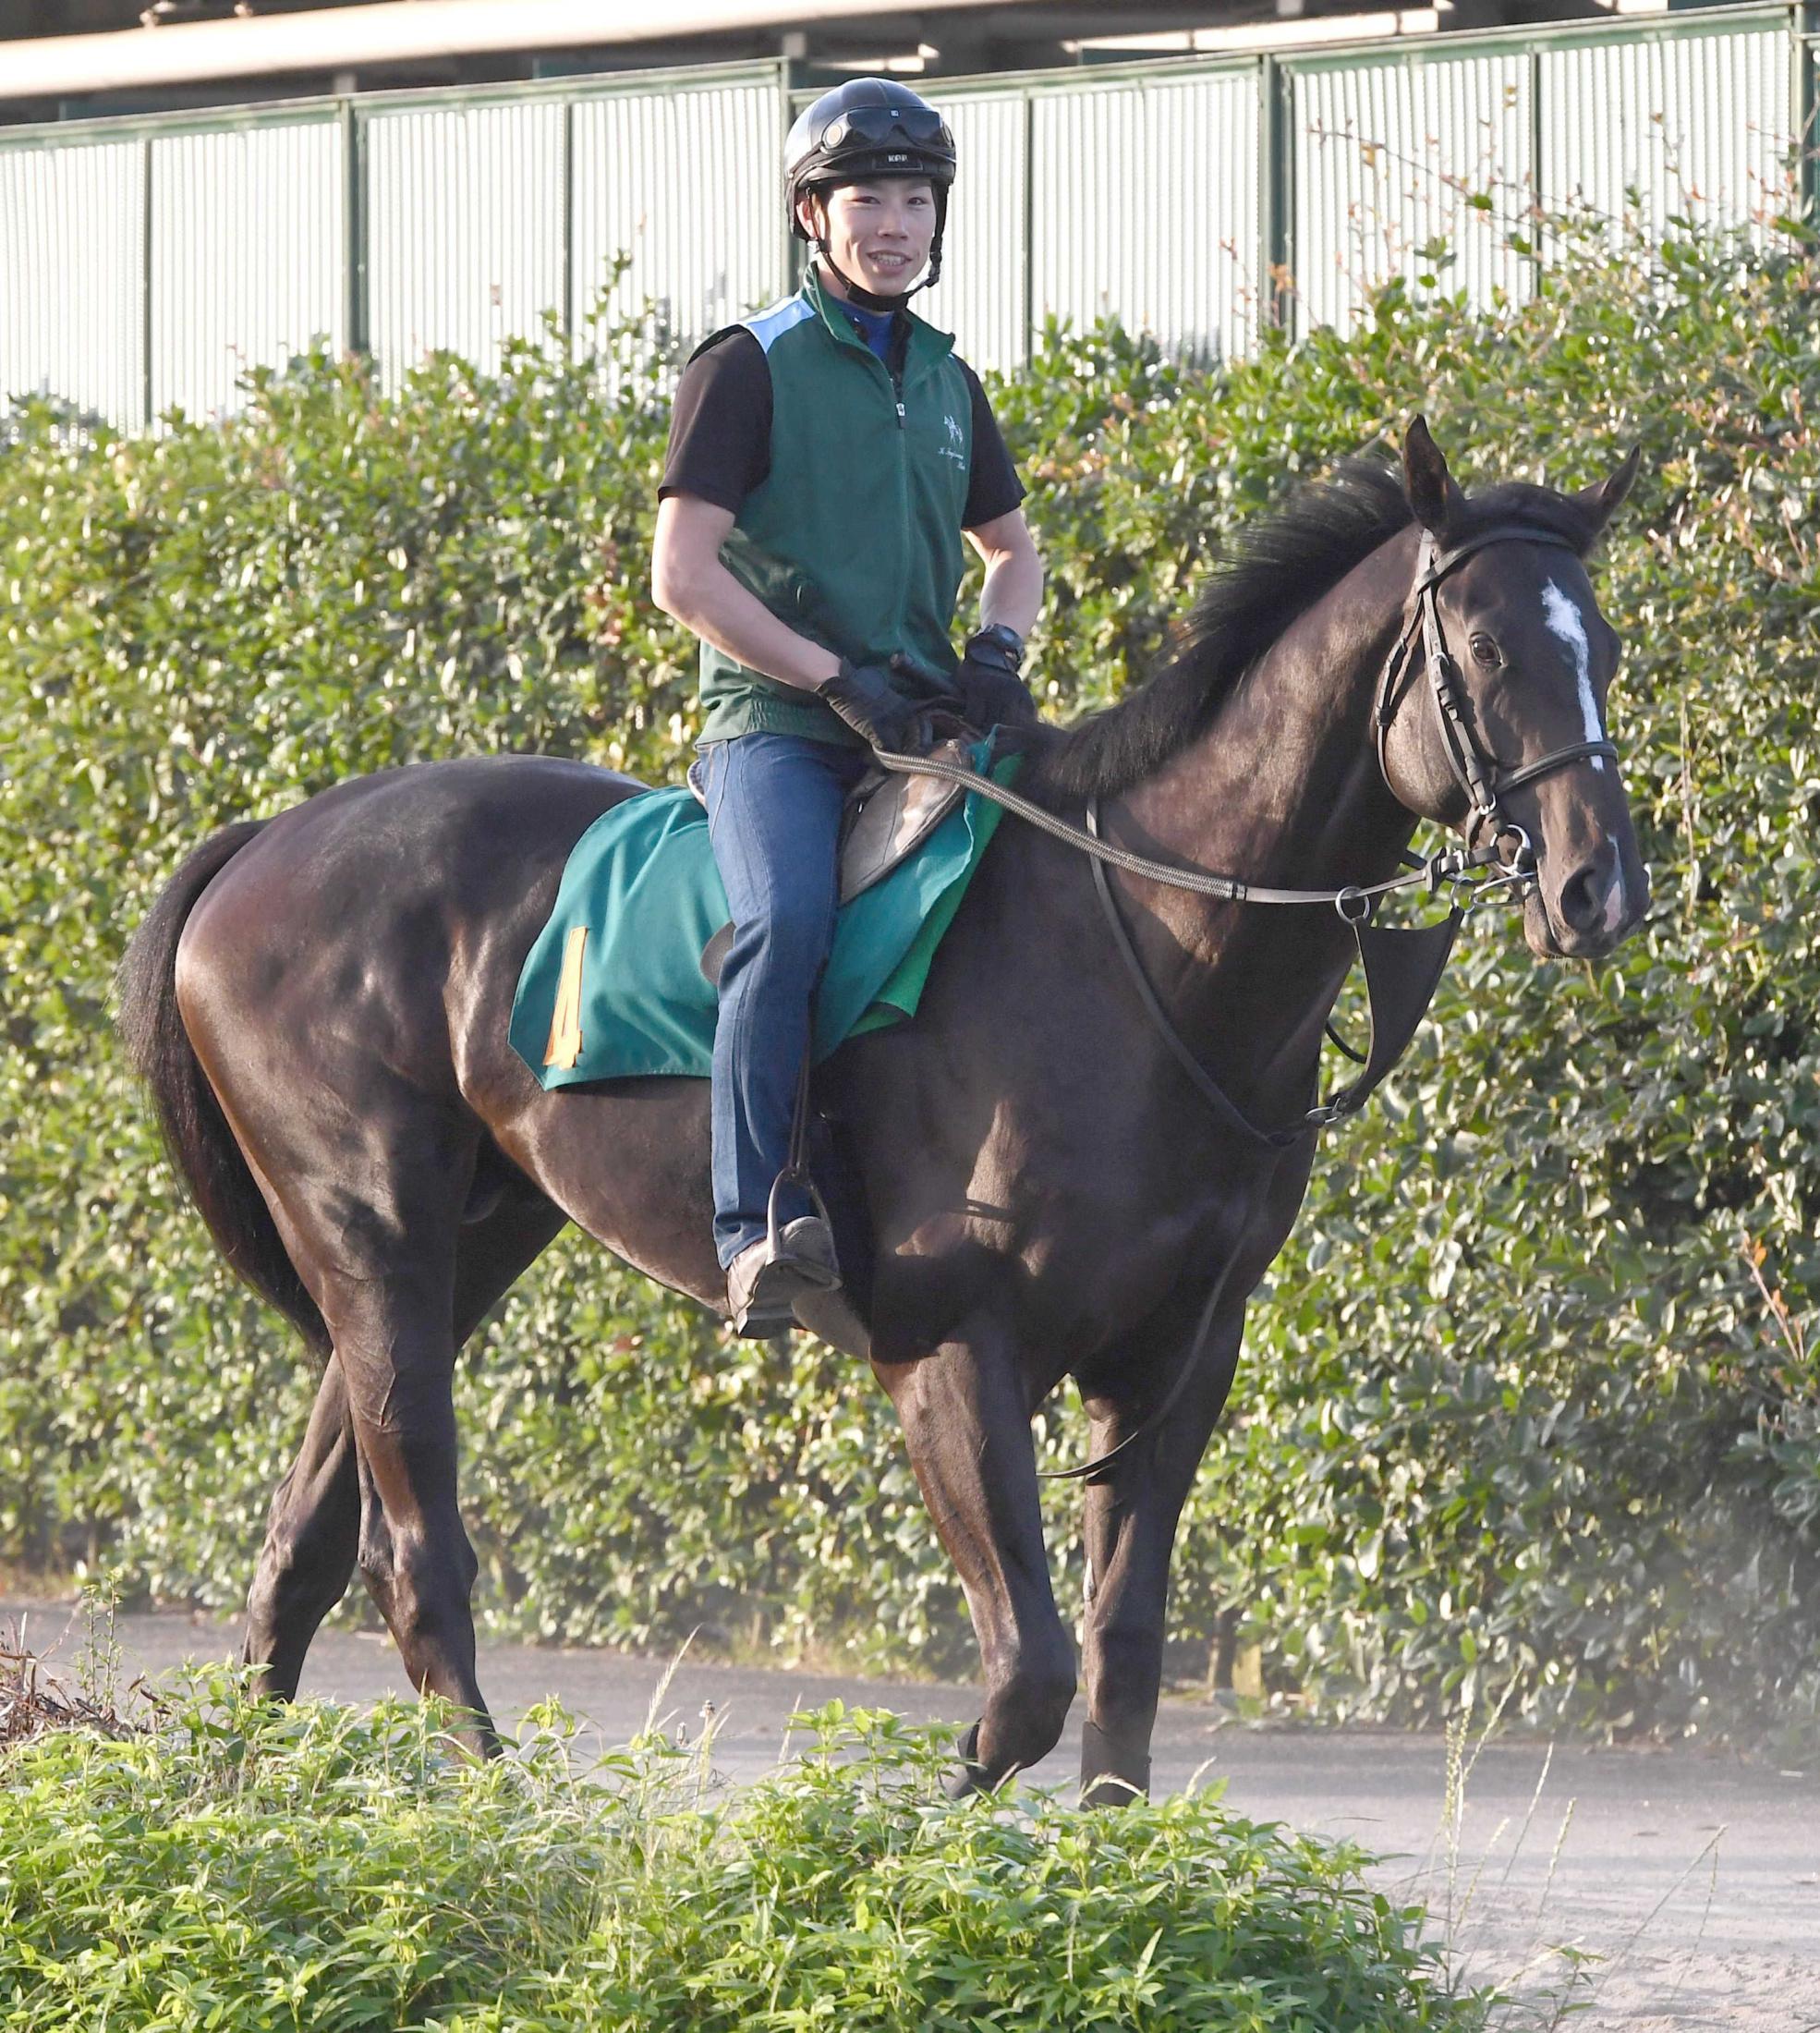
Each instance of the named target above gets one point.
<point>773,820</point>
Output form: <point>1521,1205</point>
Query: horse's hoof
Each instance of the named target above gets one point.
<point>969,1777</point>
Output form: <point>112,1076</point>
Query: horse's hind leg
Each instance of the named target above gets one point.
<point>1130,1531</point>
<point>394,1334</point>
<point>313,1533</point>
<point>311,1536</point>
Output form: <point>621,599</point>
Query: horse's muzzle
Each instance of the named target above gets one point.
<point>1592,909</point>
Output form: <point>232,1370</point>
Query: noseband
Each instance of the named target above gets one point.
<point>1484,779</point>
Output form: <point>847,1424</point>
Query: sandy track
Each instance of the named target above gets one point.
<point>1695,1879</point>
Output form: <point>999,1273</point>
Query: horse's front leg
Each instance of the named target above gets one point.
<point>1130,1533</point>
<point>966,1421</point>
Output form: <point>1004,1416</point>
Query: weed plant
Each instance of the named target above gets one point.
<point>240,1865</point>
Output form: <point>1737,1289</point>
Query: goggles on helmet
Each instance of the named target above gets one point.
<point>872,127</point>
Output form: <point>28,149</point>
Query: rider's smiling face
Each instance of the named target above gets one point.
<point>878,234</point>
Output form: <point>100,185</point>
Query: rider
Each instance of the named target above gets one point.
<point>825,458</point>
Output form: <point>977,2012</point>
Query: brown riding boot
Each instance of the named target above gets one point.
<point>762,1288</point>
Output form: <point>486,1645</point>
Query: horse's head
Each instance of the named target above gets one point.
<point>1527,659</point>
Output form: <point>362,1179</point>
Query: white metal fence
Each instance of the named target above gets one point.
<point>147,263</point>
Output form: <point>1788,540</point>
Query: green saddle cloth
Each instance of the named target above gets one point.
<point>614,986</point>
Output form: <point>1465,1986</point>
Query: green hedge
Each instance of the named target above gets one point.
<point>1515,1407</point>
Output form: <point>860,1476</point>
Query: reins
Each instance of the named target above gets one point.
<point>1231,889</point>
<point>1403,967</point>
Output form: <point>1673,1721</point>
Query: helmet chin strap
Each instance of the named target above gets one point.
<point>869,300</point>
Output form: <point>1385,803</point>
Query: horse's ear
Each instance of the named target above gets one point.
<point>1433,494</point>
<point>1602,500</point>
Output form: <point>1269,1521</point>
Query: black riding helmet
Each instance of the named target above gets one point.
<point>865,128</point>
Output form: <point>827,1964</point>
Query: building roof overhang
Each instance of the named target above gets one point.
<point>387,33</point>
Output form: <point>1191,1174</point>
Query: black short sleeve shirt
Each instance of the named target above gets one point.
<point>720,427</point>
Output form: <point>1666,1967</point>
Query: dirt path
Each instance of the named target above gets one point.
<point>1695,1879</point>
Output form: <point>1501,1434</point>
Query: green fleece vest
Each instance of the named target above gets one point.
<point>854,536</point>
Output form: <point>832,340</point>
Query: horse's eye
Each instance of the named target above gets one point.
<point>1485,651</point>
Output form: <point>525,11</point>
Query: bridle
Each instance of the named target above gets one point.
<point>1484,780</point>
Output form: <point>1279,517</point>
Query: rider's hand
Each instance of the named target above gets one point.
<point>864,695</point>
<point>992,694</point>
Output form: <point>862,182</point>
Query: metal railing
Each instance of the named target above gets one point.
<point>147,263</point>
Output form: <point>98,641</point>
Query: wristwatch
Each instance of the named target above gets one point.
<point>1000,645</point>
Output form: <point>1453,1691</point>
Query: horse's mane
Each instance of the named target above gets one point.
<point>1271,571</point>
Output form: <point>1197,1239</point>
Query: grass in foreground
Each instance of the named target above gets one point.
<point>236,1866</point>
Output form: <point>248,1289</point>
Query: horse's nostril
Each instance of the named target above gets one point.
<point>1583,899</point>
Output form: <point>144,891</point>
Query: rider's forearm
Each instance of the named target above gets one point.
<point>712,603</point>
<point>1013,593</point>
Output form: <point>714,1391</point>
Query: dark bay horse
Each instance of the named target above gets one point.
<point>320,1004</point>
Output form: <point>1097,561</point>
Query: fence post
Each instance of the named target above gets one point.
<point>1531,226</point>
<point>354,228</point>
<point>145,317</point>
<point>1806,17</point>
<point>567,174</point>
<point>1275,194</point>
<point>792,71</point>
<point>1027,199</point>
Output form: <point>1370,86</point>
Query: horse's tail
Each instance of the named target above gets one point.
<point>202,1146</point>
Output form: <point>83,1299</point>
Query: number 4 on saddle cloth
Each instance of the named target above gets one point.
<point>621,980</point>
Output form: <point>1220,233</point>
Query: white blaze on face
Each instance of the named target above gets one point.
<point>1568,626</point>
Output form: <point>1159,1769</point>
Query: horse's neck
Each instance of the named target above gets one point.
<point>1283,789</point>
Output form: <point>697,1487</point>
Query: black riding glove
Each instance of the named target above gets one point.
<point>864,695</point>
<point>992,694</point>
